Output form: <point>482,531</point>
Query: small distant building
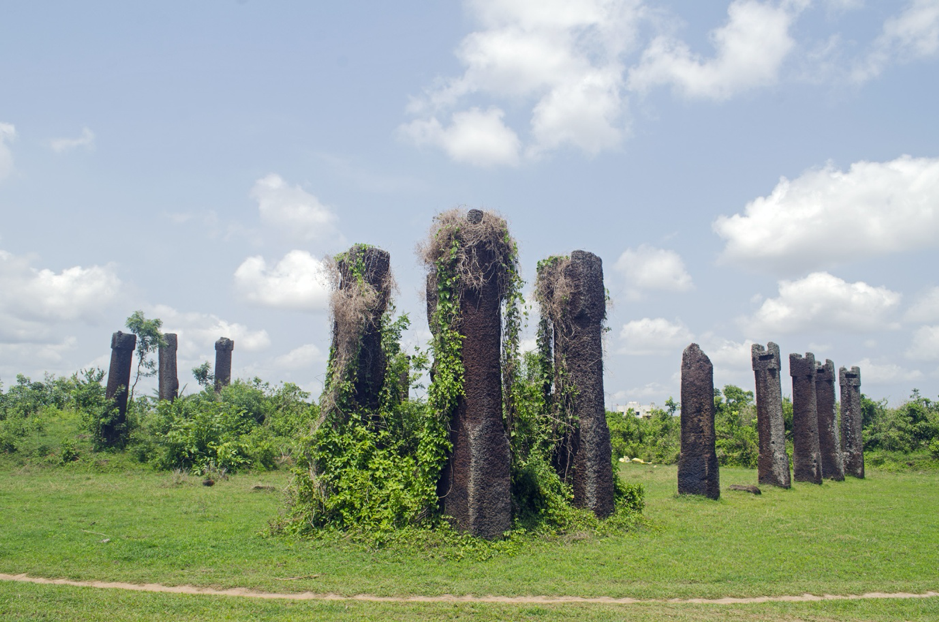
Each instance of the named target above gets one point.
<point>640,410</point>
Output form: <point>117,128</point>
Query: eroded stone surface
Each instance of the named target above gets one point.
<point>852,445</point>
<point>697,465</point>
<point>122,358</point>
<point>168,377</point>
<point>773,463</point>
<point>806,461</point>
<point>829,443</point>
<point>223,348</point>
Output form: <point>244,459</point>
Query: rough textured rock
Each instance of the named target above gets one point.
<point>806,461</point>
<point>773,464</point>
<point>697,464</point>
<point>753,490</point>
<point>475,484</point>
<point>168,377</point>
<point>579,342</point>
<point>223,348</point>
<point>122,358</point>
<point>829,444</point>
<point>852,445</point>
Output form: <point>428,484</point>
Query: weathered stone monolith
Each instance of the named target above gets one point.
<point>697,464</point>
<point>773,463</point>
<point>829,445</point>
<point>122,358</point>
<point>169,380</point>
<point>475,483</point>
<point>223,348</point>
<point>358,305</point>
<point>852,444</point>
<point>806,461</point>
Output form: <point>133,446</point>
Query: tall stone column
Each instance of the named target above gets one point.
<point>773,463</point>
<point>223,348</point>
<point>475,484</point>
<point>697,464</point>
<point>168,377</point>
<point>806,461</point>
<point>829,445</point>
<point>852,421</point>
<point>122,358</point>
<point>580,344</point>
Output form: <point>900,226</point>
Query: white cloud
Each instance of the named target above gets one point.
<point>827,216</point>
<point>86,140</point>
<point>910,35</point>
<point>654,336</point>
<point>7,135</point>
<point>885,373</point>
<point>925,344</point>
<point>198,332</point>
<point>647,268</point>
<point>295,211</point>
<point>643,393</point>
<point>304,356</point>
<point>473,137</point>
<point>727,355</point>
<point>19,358</point>
<point>822,302</point>
<point>926,308</point>
<point>750,49</point>
<point>299,282</point>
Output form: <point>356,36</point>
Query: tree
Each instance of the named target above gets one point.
<point>149,339</point>
<point>203,374</point>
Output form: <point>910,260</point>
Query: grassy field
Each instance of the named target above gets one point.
<point>880,534</point>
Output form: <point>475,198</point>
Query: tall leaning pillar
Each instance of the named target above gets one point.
<point>852,421</point>
<point>829,446</point>
<point>806,462</point>
<point>697,464</point>
<point>223,348</point>
<point>122,358</point>
<point>773,463</point>
<point>168,377</point>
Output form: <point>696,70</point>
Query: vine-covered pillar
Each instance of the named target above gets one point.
<point>697,464</point>
<point>168,377</point>
<point>580,345</point>
<point>773,463</point>
<point>223,348</point>
<point>852,445</point>
<point>122,358</point>
<point>806,462</point>
<point>829,446</point>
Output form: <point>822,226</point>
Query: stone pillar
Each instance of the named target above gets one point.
<point>697,464</point>
<point>580,344</point>
<point>223,348</point>
<point>475,484</point>
<point>806,461</point>
<point>829,445</point>
<point>773,464</point>
<point>852,444</point>
<point>122,358</point>
<point>358,332</point>
<point>169,380</point>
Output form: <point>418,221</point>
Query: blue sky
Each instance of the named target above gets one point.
<point>749,171</point>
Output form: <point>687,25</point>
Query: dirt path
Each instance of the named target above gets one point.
<point>445,598</point>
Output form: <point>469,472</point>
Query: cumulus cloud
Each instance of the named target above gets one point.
<point>198,332</point>
<point>86,140</point>
<point>828,216</point>
<point>304,356</point>
<point>910,35</point>
<point>727,355</point>
<point>294,210</point>
<point>653,269</point>
<point>885,373</point>
<point>560,59</point>
<point>7,135</point>
<point>475,137</point>
<point>298,282</point>
<point>822,302</point>
<point>925,344</point>
<point>654,336</point>
<point>749,52</point>
<point>926,307</point>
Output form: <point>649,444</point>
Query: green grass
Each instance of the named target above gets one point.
<point>879,534</point>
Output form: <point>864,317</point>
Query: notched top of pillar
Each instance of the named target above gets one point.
<point>851,378</point>
<point>123,341</point>
<point>825,371</point>
<point>802,366</point>
<point>224,343</point>
<point>765,358</point>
